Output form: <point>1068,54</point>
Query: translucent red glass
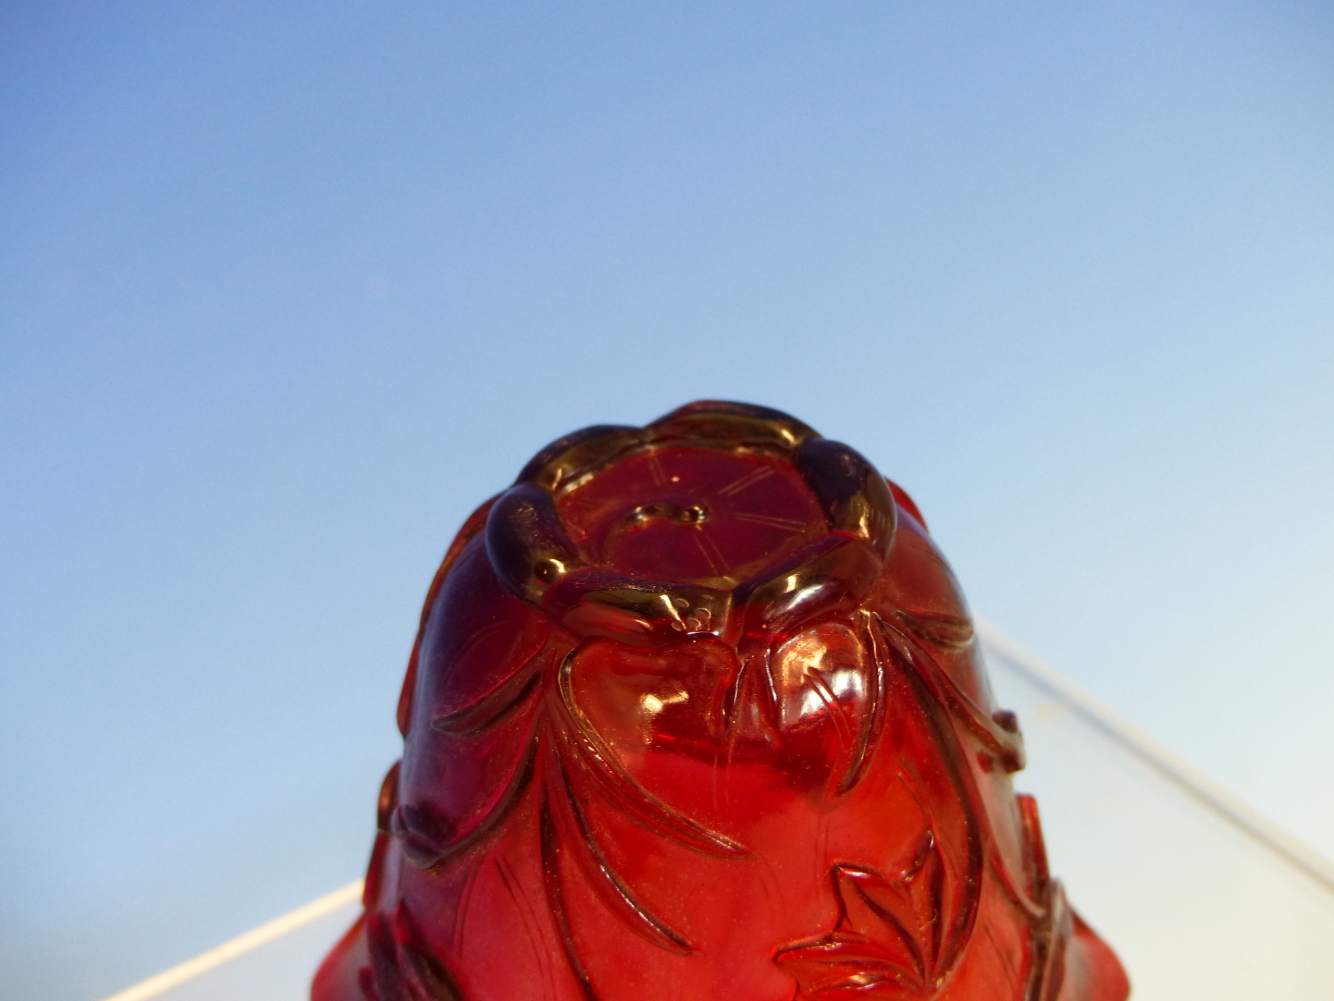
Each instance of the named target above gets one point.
<point>696,713</point>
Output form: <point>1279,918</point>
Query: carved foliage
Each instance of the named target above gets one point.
<point>888,940</point>
<point>402,969</point>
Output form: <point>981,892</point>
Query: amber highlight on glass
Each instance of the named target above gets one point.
<point>696,713</point>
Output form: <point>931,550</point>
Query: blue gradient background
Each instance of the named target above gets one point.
<point>287,288</point>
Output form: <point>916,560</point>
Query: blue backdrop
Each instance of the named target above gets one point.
<point>287,288</point>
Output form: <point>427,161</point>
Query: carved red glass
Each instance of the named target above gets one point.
<point>696,713</point>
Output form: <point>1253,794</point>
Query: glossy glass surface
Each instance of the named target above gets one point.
<point>697,712</point>
<point>1199,907</point>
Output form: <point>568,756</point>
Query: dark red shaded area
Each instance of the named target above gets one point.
<point>697,711</point>
<point>692,515</point>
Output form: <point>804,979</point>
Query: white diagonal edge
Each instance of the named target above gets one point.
<point>252,939</point>
<point>1148,750</point>
<point>1184,775</point>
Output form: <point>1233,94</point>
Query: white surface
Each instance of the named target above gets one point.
<point>1189,891</point>
<point>1201,898</point>
<point>256,948</point>
<point>275,970</point>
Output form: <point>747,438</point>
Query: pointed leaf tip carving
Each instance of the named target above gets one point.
<point>887,942</point>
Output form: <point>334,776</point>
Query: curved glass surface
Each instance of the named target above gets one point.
<point>1200,898</point>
